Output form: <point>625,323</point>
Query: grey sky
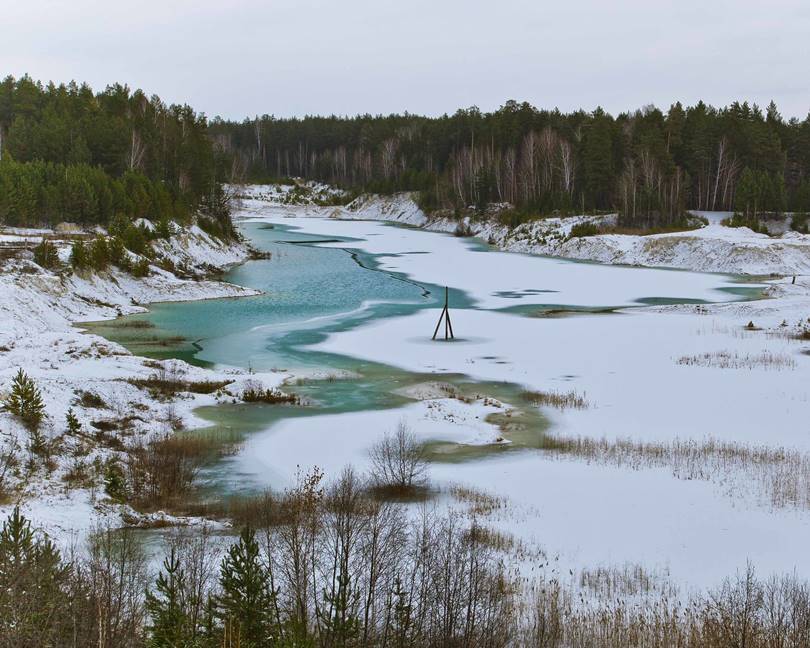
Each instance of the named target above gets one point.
<point>288,57</point>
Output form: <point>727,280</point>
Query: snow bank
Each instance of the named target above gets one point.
<point>714,248</point>
<point>38,310</point>
<point>399,208</point>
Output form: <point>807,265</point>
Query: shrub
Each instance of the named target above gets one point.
<point>74,428</point>
<point>164,385</point>
<point>799,222</point>
<point>163,229</point>
<point>141,268</point>
<point>256,394</point>
<point>79,257</point>
<point>583,229</point>
<point>25,401</point>
<point>89,399</point>
<point>135,238</point>
<point>118,254</point>
<point>162,472</point>
<point>45,254</point>
<point>398,462</point>
<point>114,482</point>
<point>99,253</point>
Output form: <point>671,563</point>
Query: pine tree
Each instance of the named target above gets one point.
<point>32,573</point>
<point>45,254</point>
<point>114,483</point>
<point>170,625</point>
<point>342,626</point>
<point>246,603</point>
<point>74,428</point>
<point>25,401</point>
<point>79,258</point>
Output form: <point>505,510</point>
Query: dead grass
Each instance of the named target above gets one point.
<point>558,400</point>
<point>135,324</point>
<point>90,400</point>
<point>744,612</point>
<point>733,360</point>
<point>164,387</point>
<point>778,477</point>
<point>162,473</point>
<point>488,537</point>
<point>480,503</point>
<point>629,580</point>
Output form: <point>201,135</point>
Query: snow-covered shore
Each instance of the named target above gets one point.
<point>39,310</point>
<point>713,248</point>
<point>700,409</point>
<point>653,361</point>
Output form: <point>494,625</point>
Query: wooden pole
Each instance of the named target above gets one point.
<point>445,315</point>
<point>438,324</point>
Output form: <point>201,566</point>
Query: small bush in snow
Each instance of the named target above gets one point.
<point>398,462</point>
<point>584,229</point>
<point>74,428</point>
<point>141,268</point>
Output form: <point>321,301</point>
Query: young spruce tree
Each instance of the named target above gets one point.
<point>171,625</point>
<point>247,600</point>
<point>25,401</point>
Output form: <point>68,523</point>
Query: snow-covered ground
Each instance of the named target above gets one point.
<point>713,248</point>
<point>657,375</point>
<point>38,310</point>
<point>657,379</point>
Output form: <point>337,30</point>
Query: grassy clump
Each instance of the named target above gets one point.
<point>558,400</point>
<point>162,386</point>
<point>733,360</point>
<point>91,400</point>
<point>255,394</point>
<point>584,229</point>
<point>161,473</point>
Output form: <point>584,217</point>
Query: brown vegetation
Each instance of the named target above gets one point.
<point>558,400</point>
<point>162,473</point>
<point>398,464</point>
<point>258,394</point>
<point>781,476</point>
<point>734,360</point>
<point>162,385</point>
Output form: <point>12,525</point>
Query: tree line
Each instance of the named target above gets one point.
<point>649,165</point>
<point>68,153</point>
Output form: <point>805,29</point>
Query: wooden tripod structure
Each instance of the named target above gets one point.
<point>448,327</point>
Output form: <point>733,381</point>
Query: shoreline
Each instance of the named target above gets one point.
<point>106,369</point>
<point>48,336</point>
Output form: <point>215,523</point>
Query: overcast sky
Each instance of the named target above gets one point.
<point>239,58</point>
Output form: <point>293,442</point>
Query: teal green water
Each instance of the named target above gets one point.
<point>308,292</point>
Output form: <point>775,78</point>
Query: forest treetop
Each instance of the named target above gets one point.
<point>649,164</point>
<point>67,153</point>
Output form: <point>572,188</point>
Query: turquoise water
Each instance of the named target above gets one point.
<point>308,292</point>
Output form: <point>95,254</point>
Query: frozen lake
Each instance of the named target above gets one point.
<point>363,297</point>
